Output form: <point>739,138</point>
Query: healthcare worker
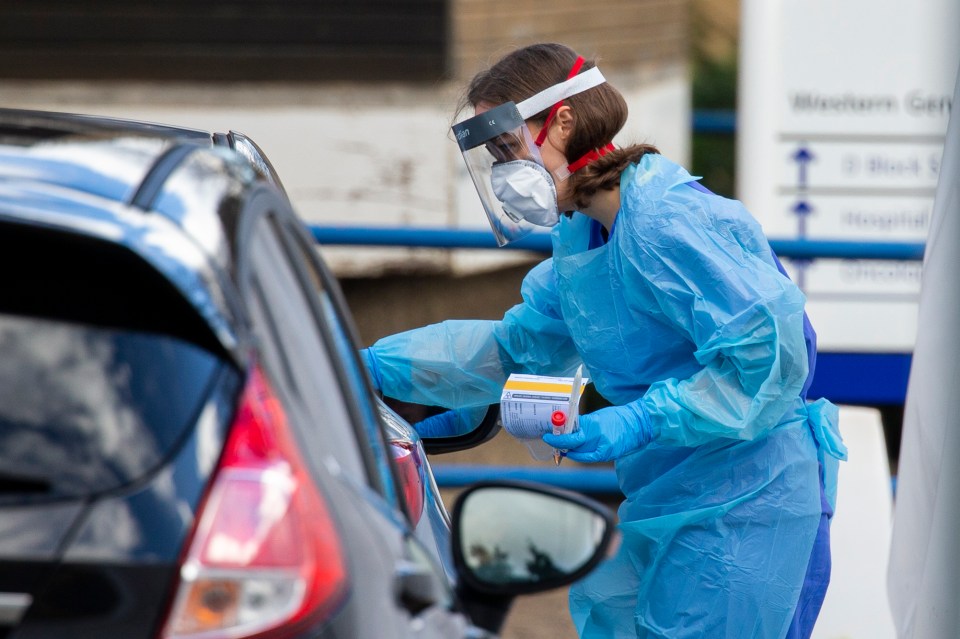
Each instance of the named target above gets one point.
<point>672,299</point>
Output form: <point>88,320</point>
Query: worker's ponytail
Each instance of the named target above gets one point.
<point>603,174</point>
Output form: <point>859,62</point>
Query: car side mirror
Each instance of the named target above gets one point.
<point>448,431</point>
<point>511,538</point>
<point>442,430</point>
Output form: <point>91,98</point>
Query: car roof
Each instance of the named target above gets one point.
<point>33,124</point>
<point>84,174</point>
<point>71,151</point>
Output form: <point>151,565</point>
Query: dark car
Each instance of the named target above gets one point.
<point>189,444</point>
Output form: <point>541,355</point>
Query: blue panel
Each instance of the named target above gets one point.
<point>861,378</point>
<point>721,121</point>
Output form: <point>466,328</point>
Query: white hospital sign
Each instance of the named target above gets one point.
<point>843,108</point>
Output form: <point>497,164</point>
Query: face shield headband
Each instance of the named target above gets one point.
<point>517,192</point>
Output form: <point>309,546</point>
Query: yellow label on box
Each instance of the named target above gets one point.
<point>528,402</point>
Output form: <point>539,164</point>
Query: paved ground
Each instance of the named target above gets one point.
<point>541,616</point>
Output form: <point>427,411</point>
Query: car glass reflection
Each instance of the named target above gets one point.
<point>85,409</point>
<point>499,545</point>
<point>438,423</point>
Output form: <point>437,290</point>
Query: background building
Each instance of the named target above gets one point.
<point>352,100</point>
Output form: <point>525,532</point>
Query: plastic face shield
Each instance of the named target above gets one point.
<point>500,135</point>
<point>494,137</point>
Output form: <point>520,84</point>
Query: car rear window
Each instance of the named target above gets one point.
<point>86,409</point>
<point>103,365</point>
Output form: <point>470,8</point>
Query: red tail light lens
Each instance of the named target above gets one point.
<point>410,471</point>
<point>265,553</point>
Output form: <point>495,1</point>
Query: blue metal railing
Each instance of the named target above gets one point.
<point>427,237</point>
<point>590,481</point>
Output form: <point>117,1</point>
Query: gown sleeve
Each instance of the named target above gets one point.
<point>744,318</point>
<point>460,363</point>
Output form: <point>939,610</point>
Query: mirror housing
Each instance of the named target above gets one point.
<point>511,538</point>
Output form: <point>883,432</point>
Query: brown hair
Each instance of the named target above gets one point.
<point>599,113</point>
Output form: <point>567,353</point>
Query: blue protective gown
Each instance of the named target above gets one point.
<point>684,310</point>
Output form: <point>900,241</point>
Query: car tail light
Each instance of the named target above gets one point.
<point>265,553</point>
<point>410,471</point>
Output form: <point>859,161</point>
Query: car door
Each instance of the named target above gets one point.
<point>307,348</point>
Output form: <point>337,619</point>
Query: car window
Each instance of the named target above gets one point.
<point>298,354</point>
<point>86,409</point>
<point>103,365</point>
<point>335,318</point>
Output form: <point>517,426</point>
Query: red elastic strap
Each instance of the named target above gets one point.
<point>590,156</point>
<point>541,138</point>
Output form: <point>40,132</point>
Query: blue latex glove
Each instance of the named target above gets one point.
<point>452,422</point>
<point>370,361</point>
<point>606,435</point>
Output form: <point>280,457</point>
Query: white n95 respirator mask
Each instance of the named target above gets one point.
<point>516,190</point>
<point>527,192</point>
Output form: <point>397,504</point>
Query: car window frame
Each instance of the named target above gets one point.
<point>299,240</point>
<point>266,204</point>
